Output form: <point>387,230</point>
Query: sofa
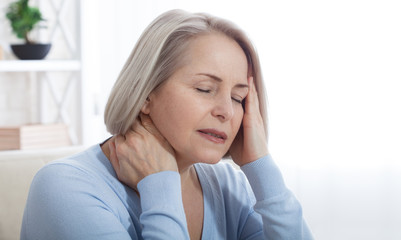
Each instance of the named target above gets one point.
<point>17,169</point>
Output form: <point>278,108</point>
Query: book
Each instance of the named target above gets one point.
<point>34,136</point>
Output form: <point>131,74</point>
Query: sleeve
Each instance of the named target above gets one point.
<point>280,211</point>
<point>66,203</point>
<point>163,215</point>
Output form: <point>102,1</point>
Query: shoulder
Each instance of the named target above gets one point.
<point>90,163</point>
<point>85,172</point>
<point>76,196</point>
<point>74,165</point>
<point>71,185</point>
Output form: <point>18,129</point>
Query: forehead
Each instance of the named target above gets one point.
<point>216,54</point>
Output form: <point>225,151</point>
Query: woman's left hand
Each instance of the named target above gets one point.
<point>250,143</point>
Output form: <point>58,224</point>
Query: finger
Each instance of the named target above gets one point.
<point>113,156</point>
<point>120,144</point>
<point>152,129</point>
<point>148,124</point>
<point>253,93</point>
<point>136,127</point>
<point>252,101</point>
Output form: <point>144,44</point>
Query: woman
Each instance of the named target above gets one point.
<point>190,93</point>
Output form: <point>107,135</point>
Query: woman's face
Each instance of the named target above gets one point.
<point>198,109</point>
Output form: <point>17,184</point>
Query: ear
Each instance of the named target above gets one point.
<point>146,108</point>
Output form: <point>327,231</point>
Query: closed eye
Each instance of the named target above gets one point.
<point>203,90</point>
<point>237,100</point>
<point>208,91</point>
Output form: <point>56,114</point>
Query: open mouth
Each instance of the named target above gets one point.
<point>213,135</point>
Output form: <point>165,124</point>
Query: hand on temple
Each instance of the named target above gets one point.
<point>251,141</point>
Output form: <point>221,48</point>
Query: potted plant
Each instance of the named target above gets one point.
<point>23,20</point>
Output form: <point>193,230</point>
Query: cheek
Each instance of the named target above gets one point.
<point>237,120</point>
<point>172,118</point>
<point>164,116</point>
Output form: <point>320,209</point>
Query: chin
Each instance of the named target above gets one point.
<point>211,161</point>
<point>201,155</point>
<point>209,158</point>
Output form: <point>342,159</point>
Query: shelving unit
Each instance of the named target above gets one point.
<point>38,71</point>
<point>39,65</point>
<point>43,88</point>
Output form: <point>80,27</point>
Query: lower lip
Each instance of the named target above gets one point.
<point>212,138</point>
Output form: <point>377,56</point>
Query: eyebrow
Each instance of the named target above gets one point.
<point>214,77</point>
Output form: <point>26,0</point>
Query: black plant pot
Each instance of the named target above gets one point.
<point>31,51</point>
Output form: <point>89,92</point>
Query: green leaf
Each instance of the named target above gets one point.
<point>23,18</point>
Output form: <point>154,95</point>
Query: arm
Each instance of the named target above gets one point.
<point>163,215</point>
<point>145,161</point>
<point>280,211</point>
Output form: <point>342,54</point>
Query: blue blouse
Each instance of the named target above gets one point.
<point>80,197</point>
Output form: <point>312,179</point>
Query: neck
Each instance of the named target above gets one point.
<point>185,169</point>
<point>189,177</point>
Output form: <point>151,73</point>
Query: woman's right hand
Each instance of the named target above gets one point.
<point>141,152</point>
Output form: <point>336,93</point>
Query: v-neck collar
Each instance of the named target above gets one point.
<point>208,204</point>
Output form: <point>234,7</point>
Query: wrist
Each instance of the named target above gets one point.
<point>251,158</point>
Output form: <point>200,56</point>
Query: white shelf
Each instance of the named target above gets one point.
<point>39,65</point>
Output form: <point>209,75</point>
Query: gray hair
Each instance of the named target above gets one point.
<point>158,54</point>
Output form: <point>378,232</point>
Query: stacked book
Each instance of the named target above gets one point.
<point>34,136</point>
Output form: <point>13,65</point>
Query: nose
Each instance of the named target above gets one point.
<point>223,108</point>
